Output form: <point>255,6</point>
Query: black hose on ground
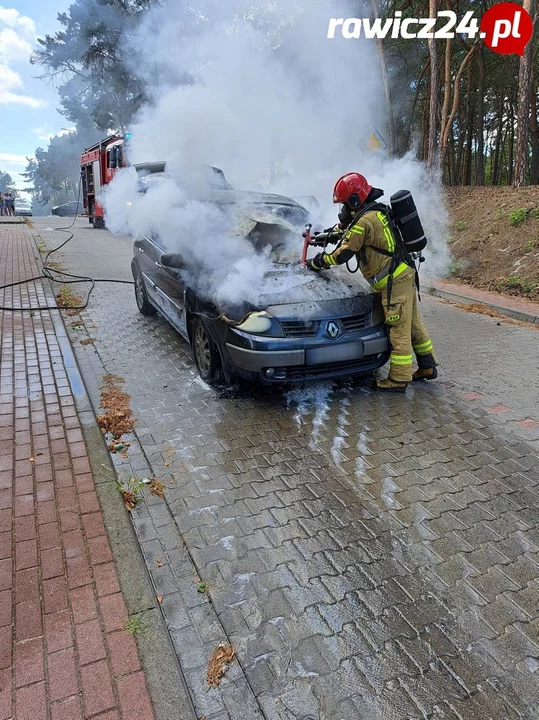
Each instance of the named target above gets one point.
<point>55,275</point>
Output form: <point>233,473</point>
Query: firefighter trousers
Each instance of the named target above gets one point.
<point>407,332</point>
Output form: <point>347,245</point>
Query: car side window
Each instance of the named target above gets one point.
<point>155,241</point>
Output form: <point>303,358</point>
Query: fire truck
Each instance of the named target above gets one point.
<point>99,164</point>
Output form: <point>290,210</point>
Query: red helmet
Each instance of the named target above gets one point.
<point>352,189</point>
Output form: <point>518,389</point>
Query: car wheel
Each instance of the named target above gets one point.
<point>61,213</point>
<point>144,305</point>
<point>207,358</point>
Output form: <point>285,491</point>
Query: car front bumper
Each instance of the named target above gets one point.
<point>353,356</point>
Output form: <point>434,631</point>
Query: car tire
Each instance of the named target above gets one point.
<point>207,357</point>
<point>144,305</point>
<point>61,213</point>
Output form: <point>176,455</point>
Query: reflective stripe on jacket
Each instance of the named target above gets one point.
<point>371,232</point>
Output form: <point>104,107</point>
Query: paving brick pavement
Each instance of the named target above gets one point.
<point>64,654</point>
<point>369,557</point>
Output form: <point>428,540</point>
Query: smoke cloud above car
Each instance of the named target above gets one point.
<point>260,92</point>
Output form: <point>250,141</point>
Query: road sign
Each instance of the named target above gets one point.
<point>372,142</point>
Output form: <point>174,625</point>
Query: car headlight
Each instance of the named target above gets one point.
<point>261,323</point>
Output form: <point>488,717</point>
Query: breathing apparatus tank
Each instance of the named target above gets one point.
<point>406,219</point>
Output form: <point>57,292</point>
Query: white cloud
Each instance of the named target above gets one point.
<point>13,47</point>
<point>14,164</point>
<point>11,159</point>
<point>9,79</point>
<point>17,37</point>
<point>10,98</point>
<point>42,134</point>
<point>13,19</point>
<point>45,134</point>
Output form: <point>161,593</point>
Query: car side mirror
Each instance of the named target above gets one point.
<point>172,260</point>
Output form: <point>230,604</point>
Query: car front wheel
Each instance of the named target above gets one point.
<point>143,304</point>
<point>207,358</point>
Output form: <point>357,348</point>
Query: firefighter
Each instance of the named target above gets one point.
<point>366,234</point>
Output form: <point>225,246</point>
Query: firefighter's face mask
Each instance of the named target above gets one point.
<point>345,215</point>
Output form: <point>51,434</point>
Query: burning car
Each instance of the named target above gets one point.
<point>301,326</point>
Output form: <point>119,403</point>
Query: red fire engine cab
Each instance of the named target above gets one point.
<point>99,164</point>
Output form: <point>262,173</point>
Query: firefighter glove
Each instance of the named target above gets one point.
<point>317,263</point>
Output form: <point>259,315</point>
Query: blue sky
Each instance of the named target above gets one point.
<point>28,115</point>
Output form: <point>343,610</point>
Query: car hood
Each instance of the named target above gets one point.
<point>296,284</point>
<point>295,291</point>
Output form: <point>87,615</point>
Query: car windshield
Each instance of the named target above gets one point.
<point>272,223</point>
<point>211,177</point>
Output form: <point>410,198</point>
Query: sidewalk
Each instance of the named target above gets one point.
<point>513,307</point>
<point>12,220</point>
<point>64,652</point>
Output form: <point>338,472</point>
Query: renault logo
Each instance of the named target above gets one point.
<point>333,329</point>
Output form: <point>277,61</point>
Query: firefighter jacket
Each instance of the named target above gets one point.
<point>370,239</point>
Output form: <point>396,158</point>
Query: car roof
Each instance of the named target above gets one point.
<point>161,168</point>
<point>150,167</point>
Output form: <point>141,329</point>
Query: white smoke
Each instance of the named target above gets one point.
<point>258,90</point>
<point>225,266</point>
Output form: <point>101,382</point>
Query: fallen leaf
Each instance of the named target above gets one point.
<point>159,562</point>
<point>159,599</point>
<point>157,488</point>
<point>130,499</point>
<point>223,655</point>
<point>121,447</point>
<point>118,418</point>
<point>32,459</point>
<point>167,464</point>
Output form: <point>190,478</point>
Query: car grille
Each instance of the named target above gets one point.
<point>300,328</point>
<point>355,322</point>
<point>350,366</point>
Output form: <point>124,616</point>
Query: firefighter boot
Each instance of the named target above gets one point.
<point>389,385</point>
<point>427,367</point>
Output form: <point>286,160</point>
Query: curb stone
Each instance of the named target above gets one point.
<point>520,315</point>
